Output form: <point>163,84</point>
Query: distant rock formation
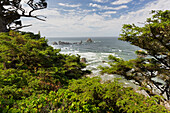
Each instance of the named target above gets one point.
<point>89,40</point>
<point>55,43</point>
<point>63,43</point>
<point>68,43</point>
<point>78,42</point>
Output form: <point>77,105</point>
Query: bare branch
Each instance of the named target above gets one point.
<point>34,17</point>
<point>16,28</point>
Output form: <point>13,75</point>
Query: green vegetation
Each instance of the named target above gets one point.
<point>28,66</point>
<point>36,78</point>
<point>88,95</point>
<point>151,70</point>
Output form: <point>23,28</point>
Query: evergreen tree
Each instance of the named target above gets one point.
<point>151,69</point>
<point>12,10</point>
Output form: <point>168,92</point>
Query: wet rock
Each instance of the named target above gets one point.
<point>83,60</point>
<point>80,42</point>
<point>63,43</point>
<point>103,61</point>
<point>89,40</point>
<point>55,43</point>
<point>75,43</point>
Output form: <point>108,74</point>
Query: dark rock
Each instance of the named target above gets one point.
<point>78,42</point>
<point>55,43</point>
<point>81,42</point>
<point>75,43</point>
<point>89,40</point>
<point>103,61</point>
<point>63,43</point>
<point>68,43</point>
<point>83,60</point>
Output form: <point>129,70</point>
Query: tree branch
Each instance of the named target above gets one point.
<point>33,17</point>
<point>16,28</point>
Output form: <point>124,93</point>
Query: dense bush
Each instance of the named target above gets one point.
<point>29,66</point>
<point>88,95</point>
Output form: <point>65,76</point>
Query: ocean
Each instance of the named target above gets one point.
<point>97,52</point>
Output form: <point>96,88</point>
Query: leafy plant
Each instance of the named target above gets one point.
<point>28,66</point>
<point>89,95</point>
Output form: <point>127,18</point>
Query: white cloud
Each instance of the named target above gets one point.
<point>100,1</point>
<point>68,5</point>
<point>121,7</point>
<point>95,5</point>
<point>118,2</point>
<point>88,25</point>
<point>107,8</point>
<point>110,12</point>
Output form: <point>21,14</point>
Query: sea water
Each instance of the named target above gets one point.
<point>97,52</point>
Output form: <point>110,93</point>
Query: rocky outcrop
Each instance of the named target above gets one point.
<point>83,60</point>
<point>89,40</point>
<point>103,61</point>
<point>81,42</point>
<point>55,43</point>
<point>78,42</point>
<point>68,43</point>
<point>63,43</point>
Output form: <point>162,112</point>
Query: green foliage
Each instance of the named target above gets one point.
<point>28,66</point>
<point>88,95</point>
<point>154,37</point>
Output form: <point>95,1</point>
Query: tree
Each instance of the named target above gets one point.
<point>12,10</point>
<point>151,69</point>
<point>154,37</point>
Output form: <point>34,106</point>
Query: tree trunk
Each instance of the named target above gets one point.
<point>3,27</point>
<point>7,20</point>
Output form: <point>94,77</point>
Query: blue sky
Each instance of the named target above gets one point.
<point>108,8</point>
<point>92,18</point>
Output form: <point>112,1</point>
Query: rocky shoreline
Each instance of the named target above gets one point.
<point>89,40</point>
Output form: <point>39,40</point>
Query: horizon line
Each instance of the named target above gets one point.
<point>81,36</point>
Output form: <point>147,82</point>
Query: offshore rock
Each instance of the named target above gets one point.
<point>103,61</point>
<point>68,43</point>
<point>63,43</point>
<point>78,42</point>
<point>55,43</point>
<point>89,40</point>
<point>81,42</point>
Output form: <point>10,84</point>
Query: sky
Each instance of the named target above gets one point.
<point>92,18</point>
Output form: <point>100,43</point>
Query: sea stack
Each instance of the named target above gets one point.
<point>89,40</point>
<point>54,43</point>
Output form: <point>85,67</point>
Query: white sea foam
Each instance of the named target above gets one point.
<point>93,59</point>
<point>97,54</point>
